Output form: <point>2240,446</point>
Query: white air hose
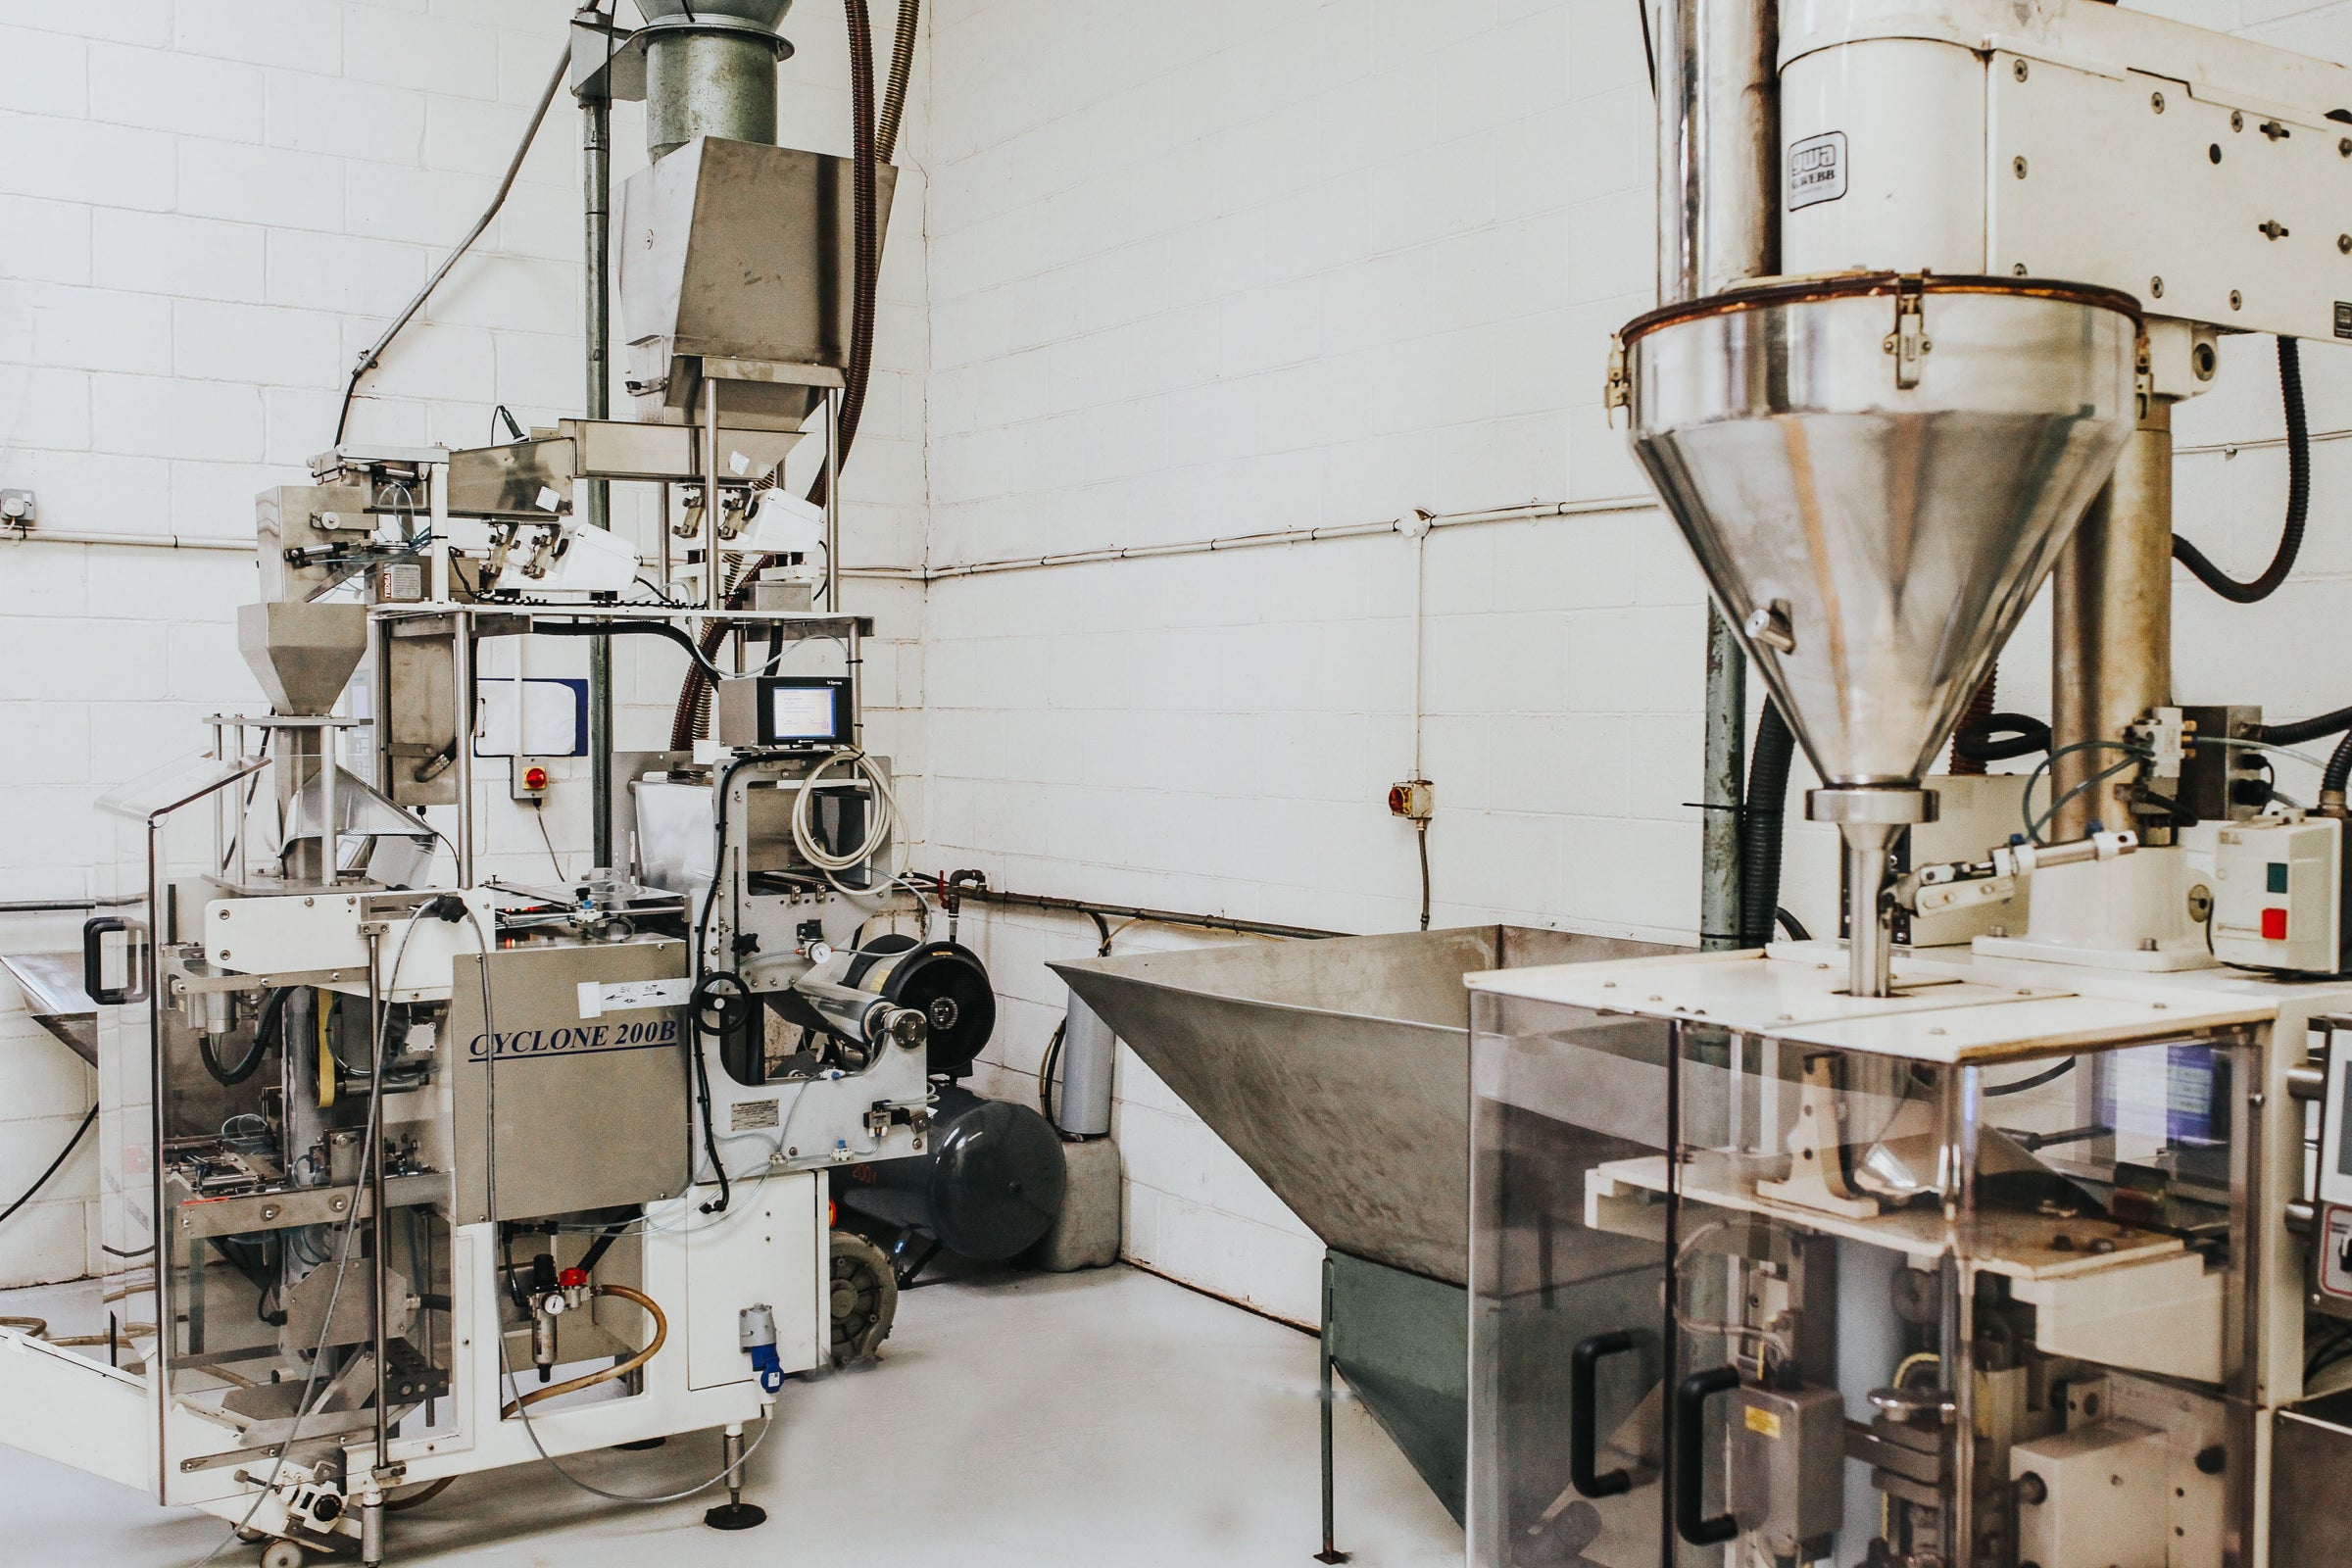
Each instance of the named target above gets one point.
<point>878,831</point>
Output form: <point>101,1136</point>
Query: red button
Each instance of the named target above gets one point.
<point>534,778</point>
<point>2273,925</point>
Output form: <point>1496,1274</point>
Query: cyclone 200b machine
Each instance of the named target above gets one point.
<point>2005,1252</point>
<point>409,1173</point>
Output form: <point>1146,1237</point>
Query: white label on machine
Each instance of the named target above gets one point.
<point>622,996</point>
<point>739,462</point>
<point>550,499</point>
<point>1817,169</point>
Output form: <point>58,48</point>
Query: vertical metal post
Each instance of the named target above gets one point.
<point>460,659</point>
<point>1330,1554</point>
<point>378,1220</point>
<point>833,501</point>
<point>1718,225</point>
<point>713,590</point>
<point>596,168</point>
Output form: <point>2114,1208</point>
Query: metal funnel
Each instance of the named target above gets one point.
<point>1876,474</point>
<point>1338,1070</point>
<point>302,653</point>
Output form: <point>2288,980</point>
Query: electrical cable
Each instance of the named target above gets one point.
<point>2137,754</point>
<point>55,1165</point>
<point>1793,925</point>
<point>2037,1081</point>
<point>1421,837</point>
<point>640,629</point>
<point>2298,499</point>
<point>879,828</point>
<point>530,134</point>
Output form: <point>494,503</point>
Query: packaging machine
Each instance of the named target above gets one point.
<point>2015,1247</point>
<point>410,1172</point>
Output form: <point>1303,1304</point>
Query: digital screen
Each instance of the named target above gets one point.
<point>800,713</point>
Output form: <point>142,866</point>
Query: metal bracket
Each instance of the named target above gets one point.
<point>1909,342</point>
<point>1618,392</point>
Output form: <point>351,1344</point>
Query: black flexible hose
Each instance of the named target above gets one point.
<point>2309,729</point>
<point>55,1166</point>
<point>2339,768</point>
<point>1760,826</point>
<point>2001,737</point>
<point>666,630</point>
<point>266,1030</point>
<point>2298,499</point>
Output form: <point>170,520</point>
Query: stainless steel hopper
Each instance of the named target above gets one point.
<point>1877,472</point>
<point>1338,1070</point>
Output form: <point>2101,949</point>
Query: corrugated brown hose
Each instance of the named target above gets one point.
<point>871,145</point>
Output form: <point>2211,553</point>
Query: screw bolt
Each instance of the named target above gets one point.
<point>2019,164</point>
<point>2237,299</point>
<point>2156,288</point>
<point>2156,102</point>
<point>2021,70</point>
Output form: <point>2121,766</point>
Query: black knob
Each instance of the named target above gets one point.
<point>2213,1461</point>
<point>2032,1489</point>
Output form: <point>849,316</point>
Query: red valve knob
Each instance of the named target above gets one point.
<point>571,1279</point>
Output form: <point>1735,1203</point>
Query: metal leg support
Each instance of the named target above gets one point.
<point>735,1513</point>
<point>371,1528</point>
<point>1330,1554</point>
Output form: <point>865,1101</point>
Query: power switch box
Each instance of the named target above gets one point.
<point>2092,1497</point>
<point>2277,893</point>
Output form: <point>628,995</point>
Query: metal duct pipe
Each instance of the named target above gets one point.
<point>1719,137</point>
<point>2111,620</point>
<point>1088,1052</point>
<point>711,71</point>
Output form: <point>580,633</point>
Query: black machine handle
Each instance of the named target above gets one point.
<point>1690,1456</point>
<point>1583,1419</point>
<point>94,932</point>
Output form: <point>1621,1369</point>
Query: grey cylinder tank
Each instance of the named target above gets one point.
<point>1088,1049</point>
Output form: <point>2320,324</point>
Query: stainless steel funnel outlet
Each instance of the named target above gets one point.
<point>1877,473</point>
<point>1869,820</point>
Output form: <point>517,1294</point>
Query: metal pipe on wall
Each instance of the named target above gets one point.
<point>1718,225</point>
<point>2111,626</point>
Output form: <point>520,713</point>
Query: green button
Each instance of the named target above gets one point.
<point>2277,876</point>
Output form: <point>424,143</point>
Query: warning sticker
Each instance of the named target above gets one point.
<point>752,1115</point>
<point>1817,169</point>
<point>1765,1422</point>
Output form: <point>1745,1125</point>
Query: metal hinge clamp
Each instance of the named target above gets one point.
<point>1909,342</point>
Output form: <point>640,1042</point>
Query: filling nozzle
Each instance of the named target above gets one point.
<point>1868,819</point>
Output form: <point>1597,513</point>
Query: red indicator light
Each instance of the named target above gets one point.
<point>2273,925</point>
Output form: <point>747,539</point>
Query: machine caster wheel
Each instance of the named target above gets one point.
<point>281,1555</point>
<point>736,1516</point>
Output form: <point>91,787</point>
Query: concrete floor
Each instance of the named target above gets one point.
<point>1015,1419</point>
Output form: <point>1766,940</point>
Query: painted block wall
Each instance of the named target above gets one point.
<point>1210,272</point>
<point>207,209</point>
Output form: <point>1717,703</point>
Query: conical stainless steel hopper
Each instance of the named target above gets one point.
<point>1877,473</point>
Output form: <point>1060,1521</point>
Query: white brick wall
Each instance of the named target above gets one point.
<point>207,209</point>
<point>1297,264</point>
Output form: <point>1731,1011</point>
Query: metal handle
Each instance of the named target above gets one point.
<point>1690,1456</point>
<point>1583,1419</point>
<point>134,987</point>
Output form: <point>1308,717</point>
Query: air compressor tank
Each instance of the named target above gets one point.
<point>988,1187</point>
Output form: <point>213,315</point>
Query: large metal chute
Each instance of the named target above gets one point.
<point>1338,1070</point>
